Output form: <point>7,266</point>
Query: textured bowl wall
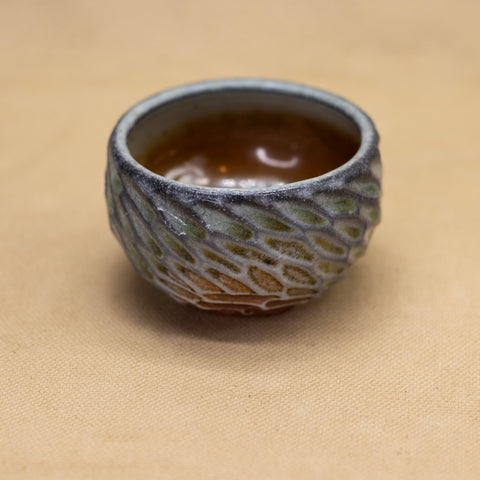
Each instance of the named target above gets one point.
<point>246,254</point>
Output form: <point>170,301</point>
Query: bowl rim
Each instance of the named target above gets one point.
<point>358,164</point>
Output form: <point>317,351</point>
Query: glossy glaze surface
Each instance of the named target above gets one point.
<point>251,149</point>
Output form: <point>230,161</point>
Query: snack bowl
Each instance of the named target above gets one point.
<point>243,251</point>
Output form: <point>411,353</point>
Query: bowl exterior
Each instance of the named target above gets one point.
<point>232,255</point>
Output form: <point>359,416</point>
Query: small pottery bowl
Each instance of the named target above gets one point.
<point>253,251</point>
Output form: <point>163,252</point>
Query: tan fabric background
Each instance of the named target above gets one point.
<point>103,377</point>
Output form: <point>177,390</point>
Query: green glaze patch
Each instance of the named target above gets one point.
<point>218,221</point>
<point>220,260</point>
<point>308,217</point>
<point>117,186</point>
<point>141,203</point>
<point>236,230</point>
<point>161,268</point>
<point>339,205</point>
<point>329,247</point>
<point>171,243</point>
<point>251,254</point>
<point>137,260</point>
<point>146,254</point>
<point>179,249</point>
<point>374,215</point>
<point>369,190</point>
<point>110,205</point>
<point>331,268</point>
<point>147,238</point>
<point>290,248</point>
<point>145,209</point>
<point>352,232</point>
<point>271,223</point>
<point>186,226</point>
<point>193,229</point>
<point>125,226</point>
<point>154,246</point>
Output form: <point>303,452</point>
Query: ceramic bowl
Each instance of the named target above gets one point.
<point>236,250</point>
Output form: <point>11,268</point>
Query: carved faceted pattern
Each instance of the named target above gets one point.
<point>250,257</point>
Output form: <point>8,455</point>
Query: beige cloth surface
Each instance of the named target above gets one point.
<point>101,376</point>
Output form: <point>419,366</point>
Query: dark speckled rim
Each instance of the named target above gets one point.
<point>358,164</point>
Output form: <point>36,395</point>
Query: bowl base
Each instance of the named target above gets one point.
<point>245,310</point>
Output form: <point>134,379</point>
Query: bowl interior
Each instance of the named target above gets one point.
<point>149,128</point>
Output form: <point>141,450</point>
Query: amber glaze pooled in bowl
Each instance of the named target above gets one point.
<point>250,149</point>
